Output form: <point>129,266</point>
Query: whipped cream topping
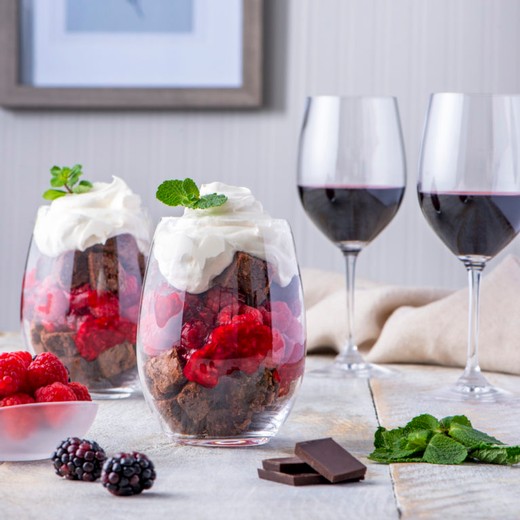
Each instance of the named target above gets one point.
<point>76,222</point>
<point>193,249</point>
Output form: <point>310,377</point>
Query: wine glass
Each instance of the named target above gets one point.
<point>351,180</point>
<point>469,192</point>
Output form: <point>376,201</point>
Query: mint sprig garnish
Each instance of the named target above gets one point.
<point>186,193</point>
<point>451,440</point>
<point>68,178</point>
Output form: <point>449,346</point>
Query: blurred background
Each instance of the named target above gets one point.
<point>406,48</point>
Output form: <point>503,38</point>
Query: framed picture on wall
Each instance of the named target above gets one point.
<point>130,53</point>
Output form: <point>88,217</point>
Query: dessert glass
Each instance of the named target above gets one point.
<point>221,340</point>
<point>82,304</point>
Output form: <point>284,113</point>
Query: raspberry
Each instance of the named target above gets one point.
<point>238,346</point>
<point>81,391</point>
<point>16,399</point>
<point>228,313</point>
<point>281,316</point>
<point>128,474</point>
<point>52,302</point>
<point>103,304</point>
<point>25,356</point>
<point>79,300</point>
<point>55,392</point>
<point>96,335</point>
<point>13,374</point>
<point>217,299</point>
<point>45,369</point>
<point>79,459</point>
<point>154,339</point>
<point>166,306</point>
<point>193,335</point>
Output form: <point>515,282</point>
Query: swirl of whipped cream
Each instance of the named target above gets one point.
<point>193,249</point>
<point>76,222</point>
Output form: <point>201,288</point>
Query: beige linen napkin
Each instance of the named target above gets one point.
<point>419,325</point>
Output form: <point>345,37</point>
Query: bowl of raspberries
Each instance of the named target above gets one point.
<point>39,405</point>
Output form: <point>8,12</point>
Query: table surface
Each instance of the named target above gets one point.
<point>222,483</point>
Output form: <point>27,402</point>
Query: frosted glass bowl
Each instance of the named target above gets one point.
<point>33,431</point>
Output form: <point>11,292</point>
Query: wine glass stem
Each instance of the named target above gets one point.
<point>472,375</point>
<point>349,353</point>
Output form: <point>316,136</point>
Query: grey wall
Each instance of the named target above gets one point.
<point>407,48</point>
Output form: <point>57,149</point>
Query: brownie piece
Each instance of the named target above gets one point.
<point>164,374</point>
<point>103,271</point>
<point>248,276</point>
<point>72,270</point>
<point>117,360</point>
<point>59,343</point>
<point>227,409</point>
<point>195,401</point>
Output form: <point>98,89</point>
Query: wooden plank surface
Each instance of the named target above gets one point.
<point>222,483</point>
<point>465,491</point>
<point>199,483</point>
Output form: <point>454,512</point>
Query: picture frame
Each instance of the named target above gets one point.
<point>17,94</point>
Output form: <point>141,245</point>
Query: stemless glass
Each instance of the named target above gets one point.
<point>469,192</point>
<point>351,180</point>
<point>221,341</point>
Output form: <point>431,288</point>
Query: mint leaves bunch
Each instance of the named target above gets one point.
<point>451,440</point>
<point>67,178</point>
<point>185,193</point>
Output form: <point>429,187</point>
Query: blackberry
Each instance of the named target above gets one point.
<point>79,459</point>
<point>128,474</point>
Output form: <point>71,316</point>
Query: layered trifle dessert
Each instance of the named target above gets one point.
<point>82,284</point>
<point>221,332</point>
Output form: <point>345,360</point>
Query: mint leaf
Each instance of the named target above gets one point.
<point>185,193</point>
<point>210,201</point>
<point>171,193</point>
<point>444,450</point>
<point>190,189</point>
<point>419,439</point>
<point>497,454</point>
<point>446,422</point>
<point>53,194</point>
<point>67,178</point>
<point>422,422</point>
<point>386,457</point>
<point>470,437</point>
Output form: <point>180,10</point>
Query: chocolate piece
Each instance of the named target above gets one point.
<point>329,459</point>
<point>72,270</point>
<point>301,479</point>
<point>248,276</point>
<point>164,374</point>
<point>103,271</point>
<point>290,465</point>
<point>59,343</point>
<point>116,360</point>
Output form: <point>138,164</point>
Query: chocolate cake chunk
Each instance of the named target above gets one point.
<point>81,370</point>
<point>117,360</point>
<point>164,374</point>
<point>227,409</point>
<point>248,276</point>
<point>195,401</point>
<point>103,271</point>
<point>59,343</point>
<point>71,269</point>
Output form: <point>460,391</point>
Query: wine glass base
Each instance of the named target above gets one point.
<point>473,394</point>
<point>343,370</point>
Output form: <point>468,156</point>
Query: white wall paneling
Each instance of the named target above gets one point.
<point>407,48</point>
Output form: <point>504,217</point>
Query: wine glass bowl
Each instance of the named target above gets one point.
<point>469,193</point>
<point>351,181</point>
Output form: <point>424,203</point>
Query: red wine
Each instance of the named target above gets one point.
<point>351,213</point>
<point>479,224</point>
